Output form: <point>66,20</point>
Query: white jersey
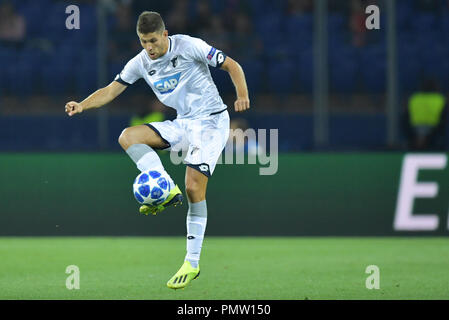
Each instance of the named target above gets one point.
<point>181,78</point>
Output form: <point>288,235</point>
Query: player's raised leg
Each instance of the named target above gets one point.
<point>196,184</point>
<point>138,142</point>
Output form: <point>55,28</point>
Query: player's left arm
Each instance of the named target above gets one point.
<point>238,79</point>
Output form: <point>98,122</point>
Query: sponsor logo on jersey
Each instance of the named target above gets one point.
<point>167,85</point>
<point>211,53</point>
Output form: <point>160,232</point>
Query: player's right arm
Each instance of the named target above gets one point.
<point>97,99</point>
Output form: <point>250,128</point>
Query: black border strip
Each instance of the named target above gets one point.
<point>159,134</point>
<point>221,309</point>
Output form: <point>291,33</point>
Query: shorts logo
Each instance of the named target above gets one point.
<point>194,149</point>
<point>167,85</point>
<point>204,167</point>
<point>211,53</point>
<point>152,72</point>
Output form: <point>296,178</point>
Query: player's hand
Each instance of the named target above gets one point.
<point>241,104</point>
<point>73,107</point>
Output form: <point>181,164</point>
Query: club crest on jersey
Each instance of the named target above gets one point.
<point>174,61</point>
<point>167,85</point>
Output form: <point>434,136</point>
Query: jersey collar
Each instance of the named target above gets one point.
<point>167,54</point>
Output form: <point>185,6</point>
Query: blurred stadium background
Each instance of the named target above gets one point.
<point>339,94</point>
<point>356,104</point>
<point>348,104</point>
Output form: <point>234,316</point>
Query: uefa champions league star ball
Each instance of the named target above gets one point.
<point>151,187</point>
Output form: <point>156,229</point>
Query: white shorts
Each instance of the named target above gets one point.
<point>200,140</point>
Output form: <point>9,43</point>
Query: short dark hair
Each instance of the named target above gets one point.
<point>150,22</point>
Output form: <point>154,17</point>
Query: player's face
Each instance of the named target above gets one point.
<point>155,43</point>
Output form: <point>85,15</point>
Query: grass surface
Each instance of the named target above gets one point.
<point>231,268</point>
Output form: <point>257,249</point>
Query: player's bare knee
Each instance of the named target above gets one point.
<point>125,139</point>
<point>191,187</point>
<point>140,134</point>
<point>130,136</point>
<point>195,191</point>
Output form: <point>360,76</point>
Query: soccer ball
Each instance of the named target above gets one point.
<point>151,187</point>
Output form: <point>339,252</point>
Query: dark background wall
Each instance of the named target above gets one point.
<point>47,65</point>
<point>61,133</point>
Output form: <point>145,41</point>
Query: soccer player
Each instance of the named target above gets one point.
<point>176,69</point>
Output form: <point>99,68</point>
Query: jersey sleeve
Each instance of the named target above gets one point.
<point>130,73</point>
<point>201,51</point>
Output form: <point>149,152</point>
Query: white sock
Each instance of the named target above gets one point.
<point>196,226</point>
<point>147,159</point>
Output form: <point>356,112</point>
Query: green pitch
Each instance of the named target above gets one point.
<point>231,268</point>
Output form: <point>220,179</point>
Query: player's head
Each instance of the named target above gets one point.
<point>152,34</point>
